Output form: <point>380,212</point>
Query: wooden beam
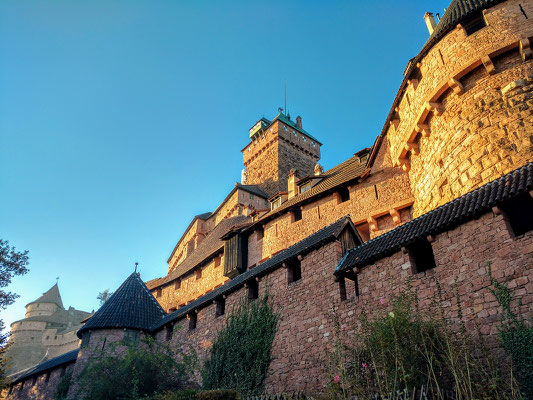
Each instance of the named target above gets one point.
<point>525,49</point>
<point>395,216</point>
<point>457,86</point>
<point>489,66</point>
<point>372,224</point>
<point>435,107</point>
<point>413,148</point>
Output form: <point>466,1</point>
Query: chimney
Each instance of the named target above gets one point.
<point>291,184</point>
<point>430,22</point>
<point>299,122</point>
<point>319,169</point>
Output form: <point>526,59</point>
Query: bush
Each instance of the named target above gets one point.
<point>63,386</point>
<point>188,394</point>
<point>130,372</point>
<point>241,352</point>
<point>402,348</point>
<point>221,394</point>
<point>516,336</point>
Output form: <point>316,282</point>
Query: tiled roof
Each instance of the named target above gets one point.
<point>207,247</point>
<point>445,217</point>
<point>458,11</point>
<point>346,171</point>
<point>131,306</point>
<point>50,296</point>
<point>304,246</point>
<point>254,189</point>
<point>66,358</point>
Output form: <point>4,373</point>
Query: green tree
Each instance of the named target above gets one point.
<point>241,352</point>
<point>104,296</point>
<point>141,369</point>
<point>12,263</point>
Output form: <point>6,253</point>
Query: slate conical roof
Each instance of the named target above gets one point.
<point>459,11</point>
<point>131,306</point>
<point>50,296</point>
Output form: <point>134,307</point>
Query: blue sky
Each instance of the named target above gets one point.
<point>121,120</point>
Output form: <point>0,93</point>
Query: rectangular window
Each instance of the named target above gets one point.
<point>217,261</point>
<point>304,188</point>
<point>177,284</point>
<point>169,332</point>
<point>171,310</point>
<point>518,214</point>
<point>251,196</point>
<point>235,255</point>
<point>276,203</point>
<point>198,273</point>
<point>193,316</point>
<point>296,214</point>
<point>260,233</point>
<point>343,194</point>
<point>34,380</point>
<point>421,256</point>
<point>294,271</point>
<point>475,24</point>
<point>253,289</point>
<point>158,292</point>
<point>47,377</point>
<point>220,306</point>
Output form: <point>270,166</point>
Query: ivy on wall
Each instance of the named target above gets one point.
<point>241,352</point>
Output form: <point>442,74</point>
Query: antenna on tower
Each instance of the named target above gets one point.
<point>136,265</point>
<point>285,109</point>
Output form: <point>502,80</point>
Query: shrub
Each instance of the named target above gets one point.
<point>241,352</point>
<point>133,371</point>
<point>516,336</point>
<point>63,386</point>
<point>402,348</point>
<point>221,394</point>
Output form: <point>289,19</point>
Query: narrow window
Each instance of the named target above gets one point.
<point>344,194</point>
<point>21,385</point>
<point>342,288</point>
<point>158,292</point>
<point>62,373</point>
<point>177,284</point>
<point>169,332</point>
<point>217,261</point>
<point>421,256</point>
<point>519,214</point>
<point>193,316</point>
<point>253,289</point>
<point>85,340</point>
<point>34,380</point>
<point>260,234</point>
<point>220,306</point>
<point>296,214</point>
<point>47,377</point>
<point>198,273</point>
<point>294,271</point>
<point>356,284</point>
<point>474,24</point>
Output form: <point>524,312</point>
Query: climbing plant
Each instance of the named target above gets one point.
<point>241,352</point>
<point>516,336</point>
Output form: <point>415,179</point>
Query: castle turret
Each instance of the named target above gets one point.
<point>47,304</point>
<point>462,115</point>
<point>275,148</point>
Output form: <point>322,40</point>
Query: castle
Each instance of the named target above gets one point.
<point>446,188</point>
<point>47,331</point>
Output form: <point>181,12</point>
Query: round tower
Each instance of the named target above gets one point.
<point>47,304</point>
<point>462,116</point>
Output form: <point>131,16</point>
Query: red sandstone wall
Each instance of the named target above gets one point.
<point>307,329</point>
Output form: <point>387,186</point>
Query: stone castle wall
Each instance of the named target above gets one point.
<point>479,127</point>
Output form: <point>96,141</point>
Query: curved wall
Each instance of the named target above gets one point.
<point>468,119</point>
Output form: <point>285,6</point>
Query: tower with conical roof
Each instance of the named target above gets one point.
<point>46,331</point>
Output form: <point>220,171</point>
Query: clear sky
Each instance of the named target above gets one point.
<point>121,120</point>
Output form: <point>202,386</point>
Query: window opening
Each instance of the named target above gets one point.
<point>344,194</point>
<point>253,289</point>
<point>421,256</point>
<point>169,332</point>
<point>193,316</point>
<point>220,306</point>
<point>294,271</point>
<point>519,214</point>
<point>474,24</point>
<point>297,214</point>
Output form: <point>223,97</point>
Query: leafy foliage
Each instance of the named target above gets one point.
<point>241,352</point>
<point>12,263</point>
<point>223,394</point>
<point>516,336</point>
<point>104,296</point>
<point>63,386</point>
<point>133,371</point>
<point>402,348</point>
